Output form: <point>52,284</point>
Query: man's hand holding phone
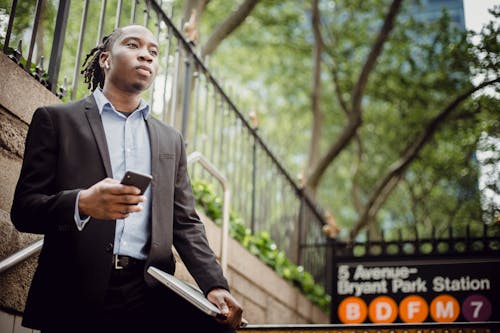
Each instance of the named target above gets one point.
<point>110,199</point>
<point>137,179</point>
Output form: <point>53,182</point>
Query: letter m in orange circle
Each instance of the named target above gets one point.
<point>445,308</point>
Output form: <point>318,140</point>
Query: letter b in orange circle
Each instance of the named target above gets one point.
<point>352,310</point>
<point>413,309</point>
<point>382,309</point>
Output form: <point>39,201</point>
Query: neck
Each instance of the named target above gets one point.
<point>122,100</point>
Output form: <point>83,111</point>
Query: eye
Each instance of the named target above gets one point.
<point>132,44</point>
<point>154,52</point>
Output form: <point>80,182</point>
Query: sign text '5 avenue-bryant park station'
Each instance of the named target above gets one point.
<point>465,290</point>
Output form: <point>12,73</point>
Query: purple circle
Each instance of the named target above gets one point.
<point>476,308</point>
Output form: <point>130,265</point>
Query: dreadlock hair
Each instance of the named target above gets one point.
<point>93,73</point>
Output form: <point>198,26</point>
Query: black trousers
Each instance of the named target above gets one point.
<point>133,307</point>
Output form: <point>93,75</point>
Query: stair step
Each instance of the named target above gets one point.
<point>485,327</point>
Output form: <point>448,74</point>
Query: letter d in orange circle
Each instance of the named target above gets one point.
<point>382,310</point>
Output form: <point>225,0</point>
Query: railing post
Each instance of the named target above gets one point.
<point>186,95</point>
<point>301,229</point>
<point>102,16</point>
<point>118,13</point>
<point>57,45</point>
<point>9,26</point>
<point>330,266</point>
<point>146,12</point>
<point>38,12</point>
<point>254,183</point>
<point>133,11</point>
<point>81,36</point>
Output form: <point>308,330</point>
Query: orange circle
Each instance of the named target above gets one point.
<point>382,310</point>
<point>413,309</point>
<point>352,310</point>
<point>445,308</point>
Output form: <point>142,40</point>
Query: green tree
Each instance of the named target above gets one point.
<point>394,120</point>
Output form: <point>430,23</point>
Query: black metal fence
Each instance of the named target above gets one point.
<point>186,95</point>
<point>454,242</point>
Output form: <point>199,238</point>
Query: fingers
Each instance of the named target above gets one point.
<point>122,211</point>
<point>127,200</point>
<point>234,316</point>
<point>114,193</point>
<point>230,309</point>
<point>113,186</point>
<point>108,199</point>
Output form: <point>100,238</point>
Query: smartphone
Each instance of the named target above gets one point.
<point>137,179</point>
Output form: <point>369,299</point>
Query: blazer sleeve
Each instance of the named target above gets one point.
<point>189,233</point>
<point>38,205</point>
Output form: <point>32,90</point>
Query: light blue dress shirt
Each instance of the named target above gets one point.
<point>129,149</point>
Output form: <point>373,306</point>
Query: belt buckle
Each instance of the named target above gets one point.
<point>117,262</point>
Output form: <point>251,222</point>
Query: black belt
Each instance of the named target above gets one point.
<point>126,262</point>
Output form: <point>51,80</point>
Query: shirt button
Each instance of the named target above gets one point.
<point>109,247</point>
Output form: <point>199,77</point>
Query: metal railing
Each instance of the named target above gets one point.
<point>198,157</point>
<point>454,242</point>
<point>20,255</point>
<point>185,95</point>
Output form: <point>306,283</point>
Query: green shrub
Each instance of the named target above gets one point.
<point>260,245</point>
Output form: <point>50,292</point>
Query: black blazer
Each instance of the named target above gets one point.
<point>66,151</point>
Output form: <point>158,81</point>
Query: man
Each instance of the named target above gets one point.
<point>100,235</point>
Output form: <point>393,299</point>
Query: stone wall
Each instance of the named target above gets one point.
<point>266,298</point>
<point>20,95</point>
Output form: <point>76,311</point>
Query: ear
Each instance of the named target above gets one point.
<point>104,60</point>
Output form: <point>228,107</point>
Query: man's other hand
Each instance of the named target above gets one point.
<point>229,307</point>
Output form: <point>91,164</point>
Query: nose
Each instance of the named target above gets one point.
<point>144,55</point>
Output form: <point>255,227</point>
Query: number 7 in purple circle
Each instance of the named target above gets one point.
<point>476,308</point>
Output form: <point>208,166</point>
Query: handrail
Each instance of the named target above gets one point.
<point>198,157</point>
<point>20,255</point>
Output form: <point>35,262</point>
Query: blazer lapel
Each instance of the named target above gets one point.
<point>155,205</point>
<point>153,142</point>
<point>95,123</point>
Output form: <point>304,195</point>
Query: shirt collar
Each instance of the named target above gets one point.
<point>102,101</point>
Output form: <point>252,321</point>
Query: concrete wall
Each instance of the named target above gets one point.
<point>266,298</point>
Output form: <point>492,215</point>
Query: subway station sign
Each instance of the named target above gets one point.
<point>417,291</point>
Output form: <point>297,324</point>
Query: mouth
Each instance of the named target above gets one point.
<point>144,70</point>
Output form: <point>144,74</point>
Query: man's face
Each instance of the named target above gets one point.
<point>132,62</point>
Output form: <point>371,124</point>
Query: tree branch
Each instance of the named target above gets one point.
<point>227,27</point>
<point>376,50</point>
<point>316,90</point>
<point>197,5</point>
<point>354,117</point>
<point>388,183</point>
<point>356,191</point>
<point>338,92</point>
